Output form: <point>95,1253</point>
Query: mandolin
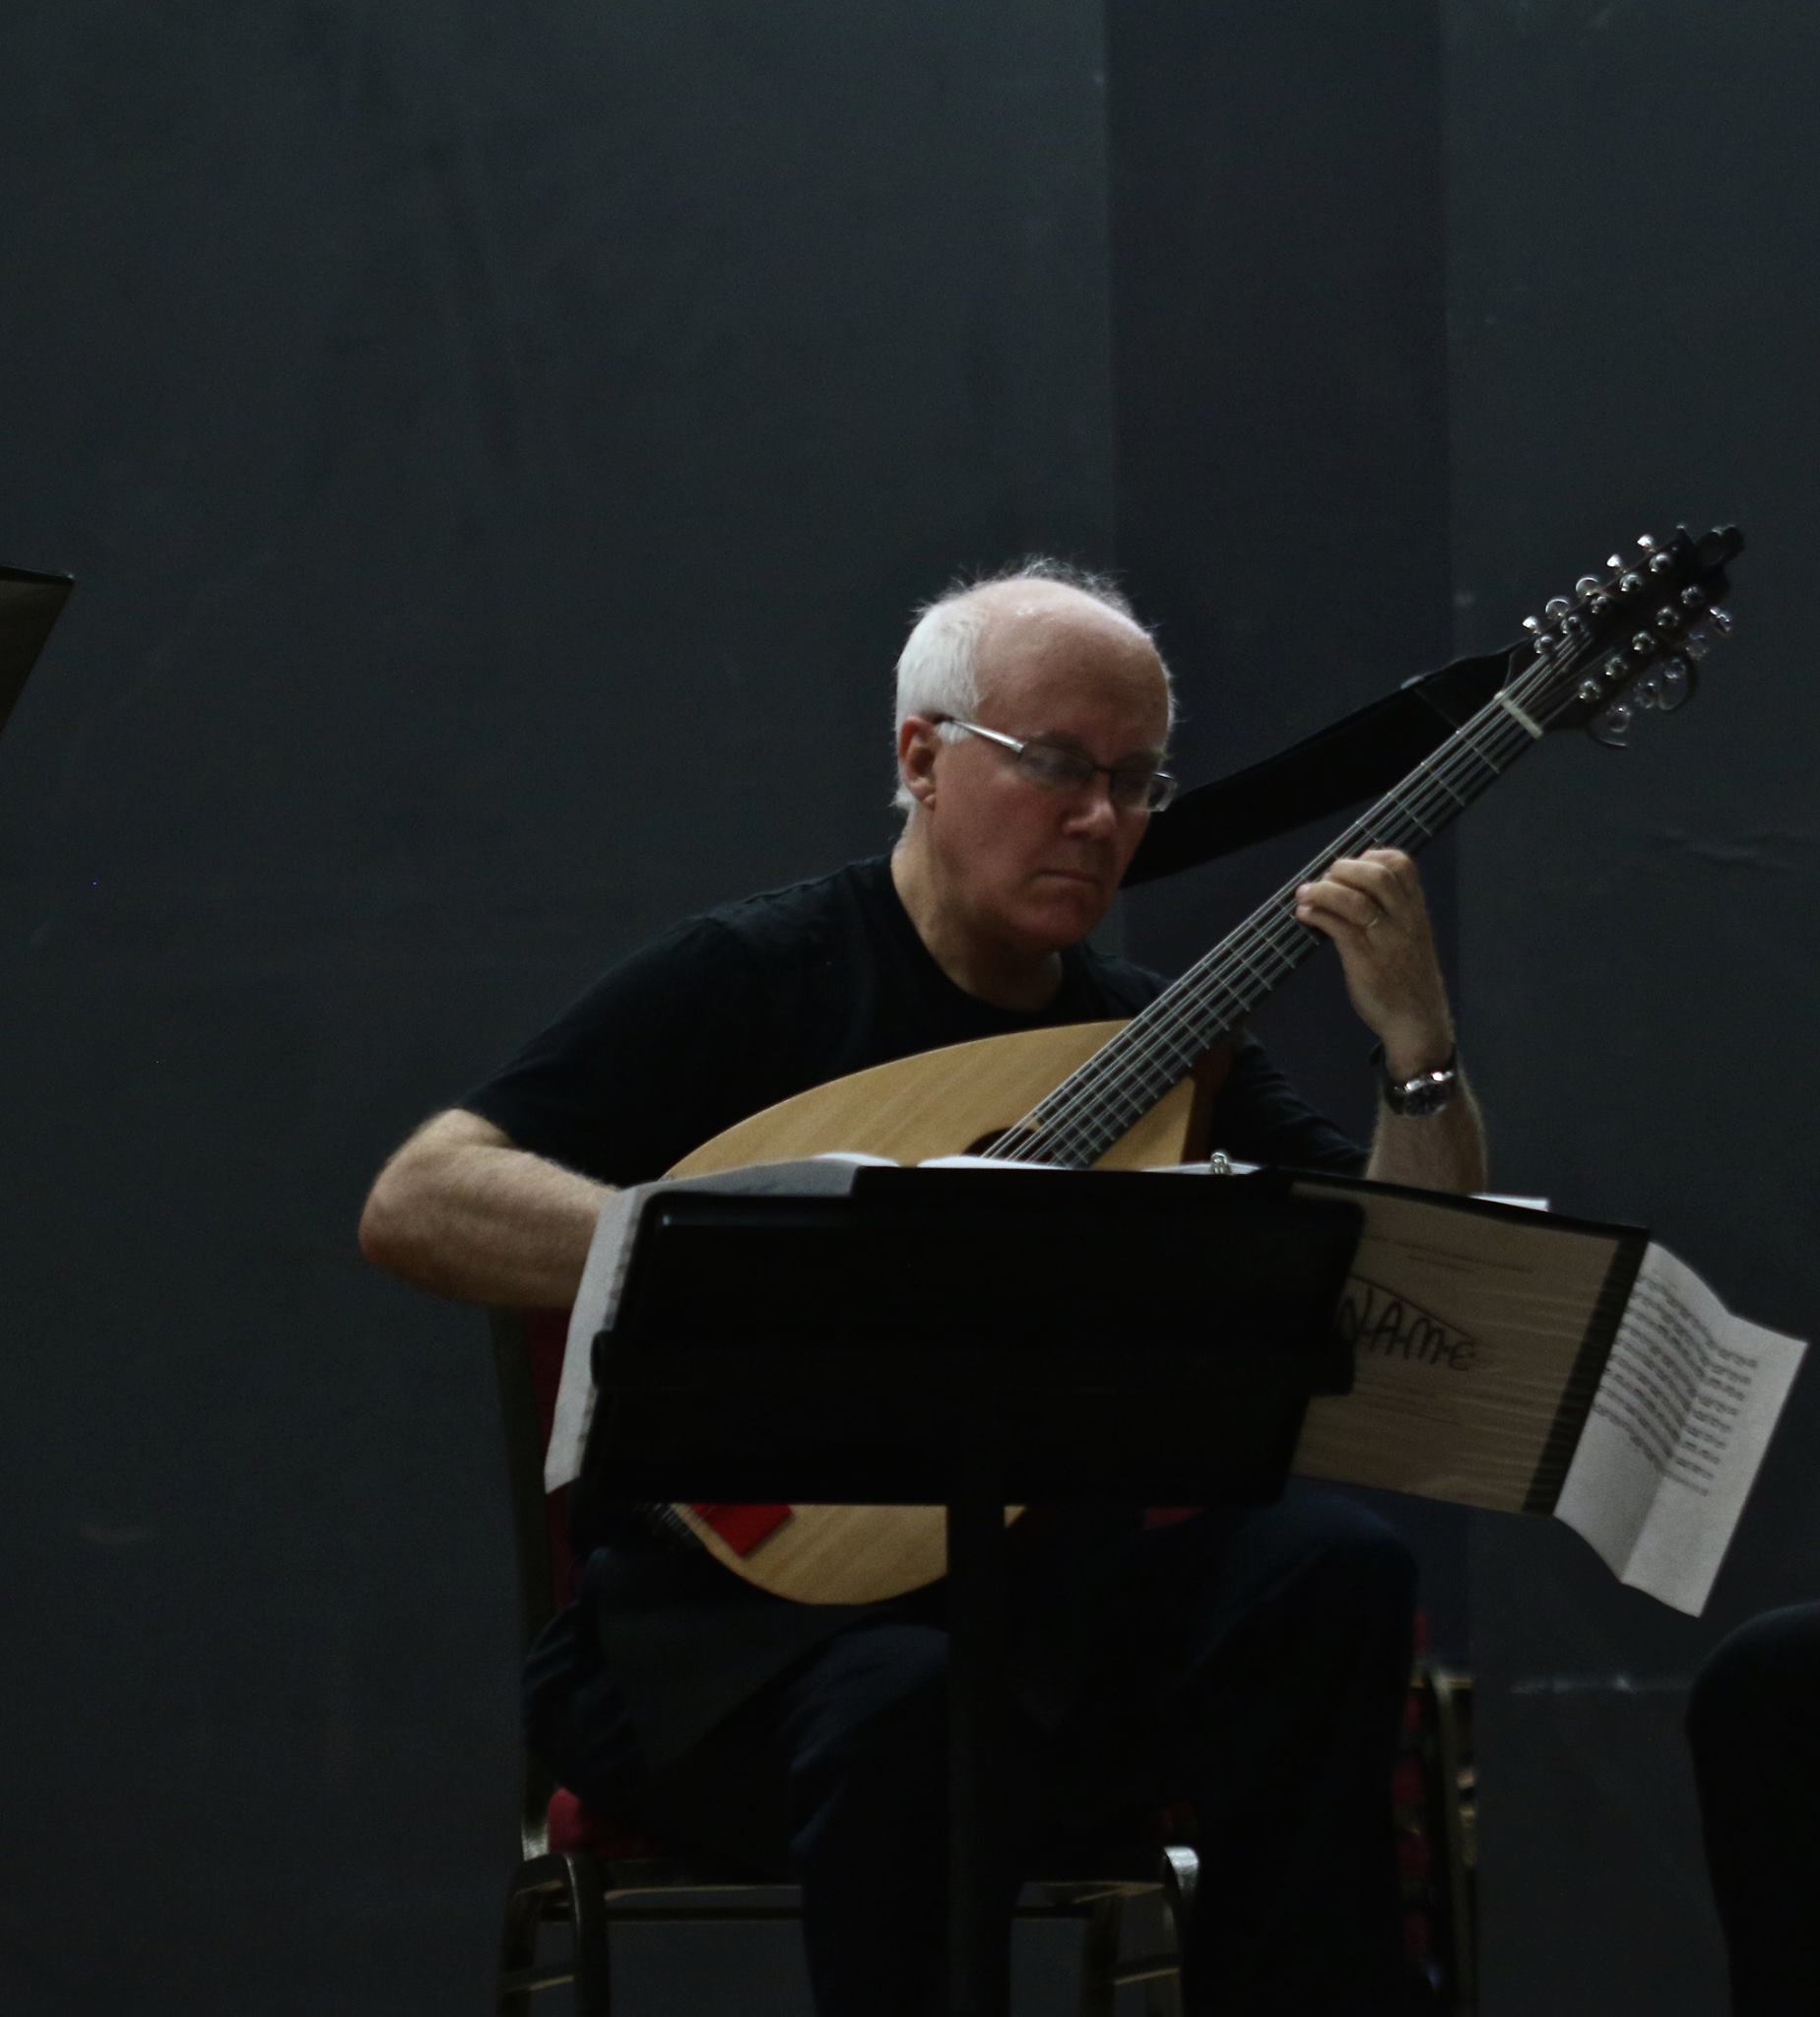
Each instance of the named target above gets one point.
<point>1628,642</point>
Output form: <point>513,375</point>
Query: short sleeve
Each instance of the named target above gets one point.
<point>1259,1116</point>
<point>644,1067</point>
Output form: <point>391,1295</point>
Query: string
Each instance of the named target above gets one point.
<point>1161,1045</point>
<point>1463,758</point>
<point>1263,950</point>
<point>1273,933</point>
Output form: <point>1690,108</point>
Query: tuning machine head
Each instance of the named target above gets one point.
<point>1673,684</point>
<point>1612,725</point>
<point>1628,641</point>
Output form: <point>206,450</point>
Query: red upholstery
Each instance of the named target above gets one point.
<point>574,1828</point>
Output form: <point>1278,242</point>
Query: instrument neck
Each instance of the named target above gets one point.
<point>1098,1104</point>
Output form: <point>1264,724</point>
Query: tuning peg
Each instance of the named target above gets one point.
<point>1643,645</point>
<point>1588,585</point>
<point>1693,599</point>
<point>1720,621</point>
<point>1614,561</point>
<point>1646,541</point>
<point>1667,620</point>
<point>1676,680</point>
<point>1613,727</point>
<point>1555,608</point>
<point>1629,582</point>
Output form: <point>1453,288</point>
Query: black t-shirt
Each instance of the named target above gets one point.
<point>709,1023</point>
<point>760,999</point>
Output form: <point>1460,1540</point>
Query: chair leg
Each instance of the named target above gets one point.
<point>587,1903</point>
<point>525,1904</point>
<point>1181,1870</point>
<point>554,1890</point>
<point>1099,1957</point>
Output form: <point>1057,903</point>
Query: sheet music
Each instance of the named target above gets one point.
<point>1683,1413</point>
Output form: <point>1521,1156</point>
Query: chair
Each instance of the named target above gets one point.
<point>583,1872</point>
<point>1434,1807</point>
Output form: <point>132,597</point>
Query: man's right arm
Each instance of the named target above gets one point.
<point>463,1212</point>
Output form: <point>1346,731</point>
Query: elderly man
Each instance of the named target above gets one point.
<point>1252,1663</point>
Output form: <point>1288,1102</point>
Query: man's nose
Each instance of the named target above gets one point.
<point>1091,810</point>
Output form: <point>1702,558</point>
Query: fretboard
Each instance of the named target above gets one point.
<point>1098,1103</point>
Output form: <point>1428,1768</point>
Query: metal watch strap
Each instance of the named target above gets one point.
<point>1428,1092</point>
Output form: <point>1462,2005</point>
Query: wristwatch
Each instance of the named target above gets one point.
<point>1424,1094</point>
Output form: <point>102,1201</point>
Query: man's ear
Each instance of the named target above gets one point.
<point>917,739</point>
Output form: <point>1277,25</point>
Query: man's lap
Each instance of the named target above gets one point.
<point>1117,1648</point>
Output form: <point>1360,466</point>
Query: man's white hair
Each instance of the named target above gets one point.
<point>938,669</point>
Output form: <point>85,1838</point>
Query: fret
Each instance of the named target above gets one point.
<point>1466,743</point>
<point>1086,1114</point>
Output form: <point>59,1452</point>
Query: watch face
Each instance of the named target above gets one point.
<point>1425,1095</point>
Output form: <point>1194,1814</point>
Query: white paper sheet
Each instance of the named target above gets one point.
<point>1683,1413</point>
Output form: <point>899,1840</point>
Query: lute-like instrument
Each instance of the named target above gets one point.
<point>1134,1094</point>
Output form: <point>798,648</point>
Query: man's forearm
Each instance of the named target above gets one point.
<point>1443,1151</point>
<point>464,1213</point>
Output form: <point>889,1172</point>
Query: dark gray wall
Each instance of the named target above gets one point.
<point>1278,337</point>
<point>499,448</point>
<point>1634,289</point>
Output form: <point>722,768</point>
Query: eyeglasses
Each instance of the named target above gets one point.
<point>1132,787</point>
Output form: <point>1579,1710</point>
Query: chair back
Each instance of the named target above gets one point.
<point>527,1349</point>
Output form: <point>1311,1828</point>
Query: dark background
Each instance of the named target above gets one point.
<point>500,448</point>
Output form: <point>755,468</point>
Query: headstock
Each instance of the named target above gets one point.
<point>1628,640</point>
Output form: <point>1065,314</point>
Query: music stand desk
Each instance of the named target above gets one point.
<point>973,1339</point>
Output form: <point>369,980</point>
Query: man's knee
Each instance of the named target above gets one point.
<point>872,1723</point>
<point>1317,1584</point>
<point>1359,1568</point>
<point>1380,1560</point>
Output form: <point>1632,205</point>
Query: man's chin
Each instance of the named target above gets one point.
<point>1063,910</point>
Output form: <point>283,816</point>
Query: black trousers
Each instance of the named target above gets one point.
<point>1753,1721</point>
<point>1252,1663</point>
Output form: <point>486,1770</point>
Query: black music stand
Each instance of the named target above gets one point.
<point>1130,1338</point>
<point>29,604</point>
